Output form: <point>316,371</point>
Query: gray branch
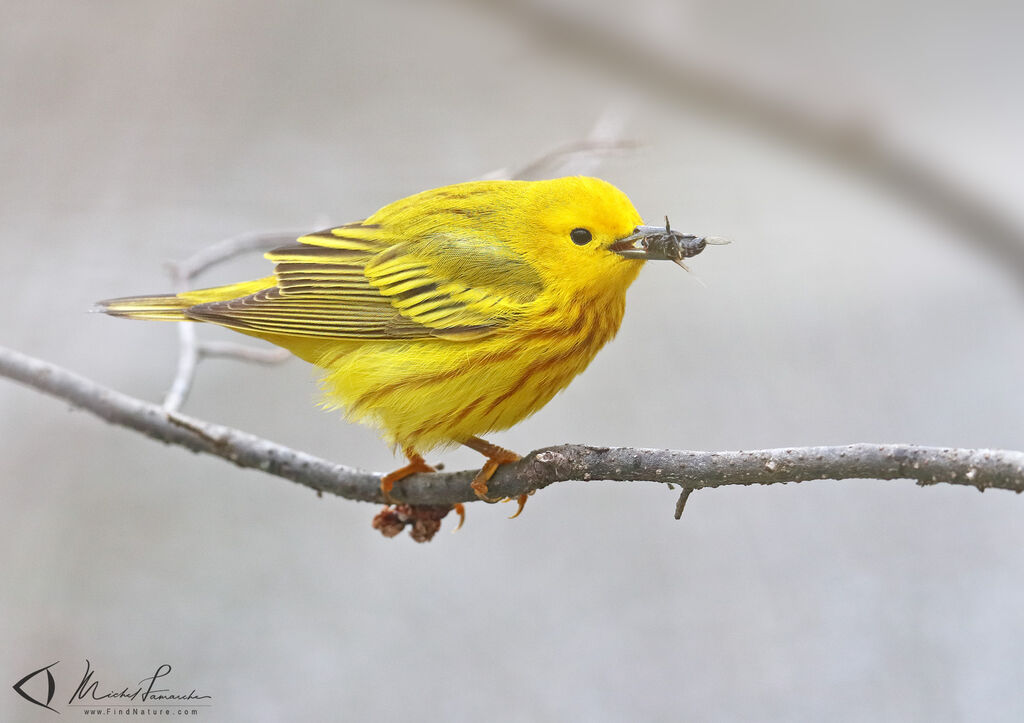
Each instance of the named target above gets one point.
<point>579,158</point>
<point>229,248</point>
<point>244,352</point>
<point>191,350</point>
<point>979,468</point>
<point>185,374</point>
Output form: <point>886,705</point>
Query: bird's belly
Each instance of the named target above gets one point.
<point>424,393</point>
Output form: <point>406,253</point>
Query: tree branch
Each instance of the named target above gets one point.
<point>244,352</point>
<point>979,468</point>
<point>229,248</point>
<point>190,349</point>
<point>579,158</point>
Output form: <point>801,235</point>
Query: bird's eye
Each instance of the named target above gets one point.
<point>580,236</point>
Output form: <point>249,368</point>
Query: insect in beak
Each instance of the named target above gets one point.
<point>655,243</point>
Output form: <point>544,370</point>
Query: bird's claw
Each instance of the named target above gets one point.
<point>521,501</point>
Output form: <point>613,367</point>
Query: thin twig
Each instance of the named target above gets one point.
<point>980,468</point>
<point>579,157</point>
<point>188,360</point>
<point>231,350</point>
<point>232,247</point>
<point>190,350</point>
<point>560,162</point>
<point>851,144</point>
<point>684,495</point>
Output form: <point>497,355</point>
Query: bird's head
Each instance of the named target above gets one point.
<point>584,233</point>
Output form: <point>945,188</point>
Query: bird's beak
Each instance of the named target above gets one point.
<point>661,243</point>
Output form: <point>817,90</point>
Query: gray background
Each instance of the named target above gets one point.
<point>135,132</point>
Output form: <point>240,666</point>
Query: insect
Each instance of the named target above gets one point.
<point>448,314</point>
<point>656,243</point>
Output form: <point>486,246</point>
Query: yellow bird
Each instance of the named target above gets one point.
<point>448,314</point>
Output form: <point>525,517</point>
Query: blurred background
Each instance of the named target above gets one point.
<point>864,157</point>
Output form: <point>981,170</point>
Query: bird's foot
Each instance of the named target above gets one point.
<point>496,456</point>
<point>424,519</point>
<point>416,465</point>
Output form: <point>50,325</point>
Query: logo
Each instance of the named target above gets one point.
<point>51,687</point>
<point>150,695</point>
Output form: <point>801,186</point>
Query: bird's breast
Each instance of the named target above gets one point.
<point>421,394</point>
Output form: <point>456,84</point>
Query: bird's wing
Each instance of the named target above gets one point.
<point>355,282</point>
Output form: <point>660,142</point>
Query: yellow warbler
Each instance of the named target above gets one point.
<point>448,314</point>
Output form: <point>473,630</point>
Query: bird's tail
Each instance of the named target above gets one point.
<point>174,307</point>
<point>165,307</point>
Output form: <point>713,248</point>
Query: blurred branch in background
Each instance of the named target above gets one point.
<point>579,158</point>
<point>191,349</point>
<point>980,468</point>
<point>855,144</point>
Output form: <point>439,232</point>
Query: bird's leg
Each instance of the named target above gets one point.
<point>416,464</point>
<point>496,456</point>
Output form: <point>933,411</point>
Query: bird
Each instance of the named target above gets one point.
<point>449,314</point>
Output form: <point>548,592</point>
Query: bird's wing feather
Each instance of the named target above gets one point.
<point>356,282</point>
